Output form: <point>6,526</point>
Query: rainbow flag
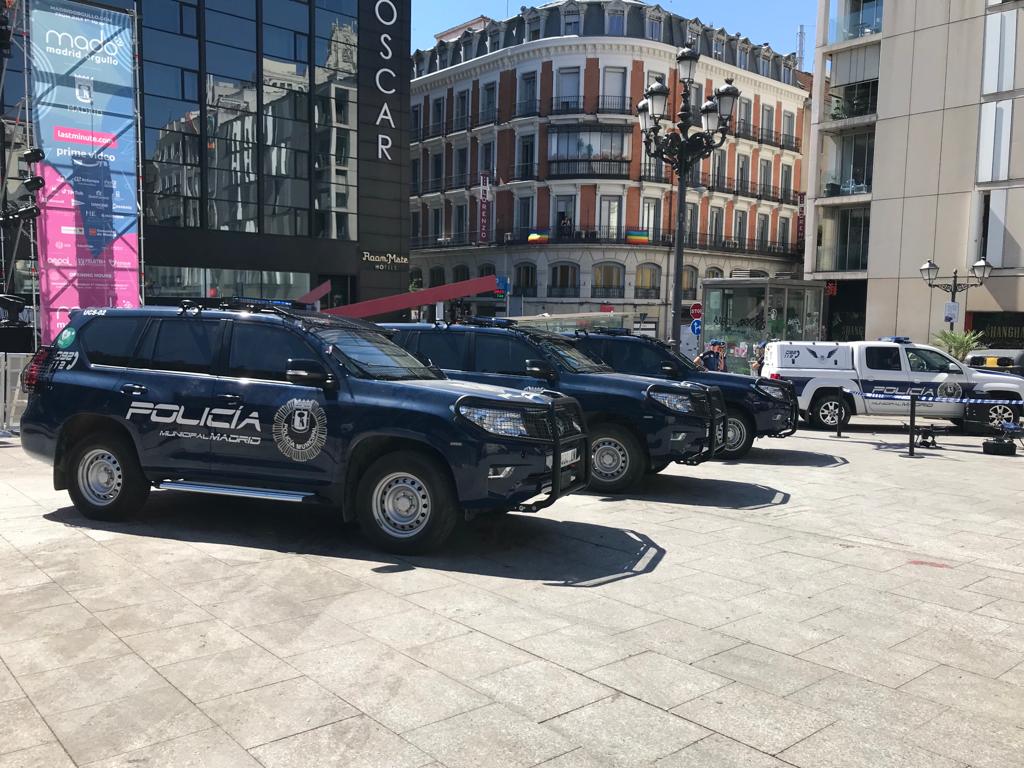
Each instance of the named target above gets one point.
<point>538,238</point>
<point>637,237</point>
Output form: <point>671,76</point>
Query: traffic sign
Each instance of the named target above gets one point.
<point>696,311</point>
<point>695,327</point>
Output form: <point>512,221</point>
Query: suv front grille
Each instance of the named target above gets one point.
<point>568,419</point>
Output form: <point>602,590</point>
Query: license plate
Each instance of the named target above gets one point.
<point>570,456</point>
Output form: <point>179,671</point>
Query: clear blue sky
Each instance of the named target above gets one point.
<point>771,21</point>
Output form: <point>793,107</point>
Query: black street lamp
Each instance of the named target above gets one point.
<point>681,149</point>
<point>981,270</point>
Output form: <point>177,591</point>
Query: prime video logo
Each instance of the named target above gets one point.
<point>80,46</point>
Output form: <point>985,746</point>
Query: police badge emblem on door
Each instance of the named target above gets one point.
<point>300,429</point>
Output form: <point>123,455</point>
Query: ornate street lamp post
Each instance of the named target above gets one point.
<point>981,270</point>
<point>682,148</point>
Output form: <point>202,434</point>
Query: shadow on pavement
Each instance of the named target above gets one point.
<point>706,492</point>
<point>789,458</point>
<point>513,546</point>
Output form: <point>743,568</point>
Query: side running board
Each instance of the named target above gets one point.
<point>234,490</point>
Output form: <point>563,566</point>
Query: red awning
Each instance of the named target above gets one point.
<point>400,301</point>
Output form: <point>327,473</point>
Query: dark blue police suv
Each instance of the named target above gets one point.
<point>758,407</point>
<point>636,424</point>
<point>271,402</point>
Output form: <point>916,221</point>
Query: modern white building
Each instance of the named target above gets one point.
<point>527,160</point>
<point>917,154</point>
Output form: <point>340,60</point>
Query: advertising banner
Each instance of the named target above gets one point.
<point>83,97</point>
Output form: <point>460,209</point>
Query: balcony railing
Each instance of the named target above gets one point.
<point>528,108</point>
<point>588,169</point>
<point>524,291</point>
<point>655,173</point>
<point>433,130</point>
<point>842,258</point>
<point>488,115</point>
<point>435,184</point>
<point>566,105</point>
<point>701,241</point>
<point>524,172</point>
<point>416,132</point>
<point>647,293</point>
<point>609,292</point>
<point>745,130</point>
<point>614,105</point>
<point>744,187</point>
<point>845,188</point>
<point>854,100</point>
<point>414,187</point>
<point>772,137</point>
<point>459,123</point>
<point>457,181</point>
<point>791,142</point>
<point>571,292</point>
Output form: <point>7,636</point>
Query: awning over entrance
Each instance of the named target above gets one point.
<point>400,301</point>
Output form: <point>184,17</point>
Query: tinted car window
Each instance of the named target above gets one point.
<point>443,349</point>
<point>188,345</point>
<point>927,361</point>
<point>502,353</point>
<point>882,358</point>
<point>633,357</point>
<point>112,340</point>
<point>263,352</point>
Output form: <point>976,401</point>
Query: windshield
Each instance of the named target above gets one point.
<point>373,356</point>
<point>569,355</point>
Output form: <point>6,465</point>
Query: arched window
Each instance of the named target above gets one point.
<point>714,272</point>
<point>436,276</point>
<point>565,281</point>
<point>690,275</point>
<point>648,282</point>
<point>609,281</point>
<point>486,270</point>
<point>525,283</point>
<point>415,279</point>
<point>460,272</point>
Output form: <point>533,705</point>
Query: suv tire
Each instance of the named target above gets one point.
<point>406,504</point>
<point>617,460</point>
<point>824,408</point>
<point>105,480</point>
<point>742,429</point>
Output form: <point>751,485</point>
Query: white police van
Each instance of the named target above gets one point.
<point>829,377</point>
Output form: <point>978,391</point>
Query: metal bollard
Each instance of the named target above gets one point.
<point>913,422</point>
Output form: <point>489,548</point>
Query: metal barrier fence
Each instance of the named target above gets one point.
<point>11,366</point>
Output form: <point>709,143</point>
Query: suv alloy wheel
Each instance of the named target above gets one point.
<point>105,479</point>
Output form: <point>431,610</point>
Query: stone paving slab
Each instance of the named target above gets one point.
<point>822,604</point>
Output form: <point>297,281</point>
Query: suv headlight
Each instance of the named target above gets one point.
<point>498,421</point>
<point>772,390</point>
<point>680,402</point>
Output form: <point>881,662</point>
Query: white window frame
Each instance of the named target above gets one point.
<point>994,140</point>
<point>999,60</point>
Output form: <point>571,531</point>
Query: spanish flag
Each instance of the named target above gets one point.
<point>538,237</point>
<point>637,237</point>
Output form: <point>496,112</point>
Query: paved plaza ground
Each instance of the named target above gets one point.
<point>825,603</point>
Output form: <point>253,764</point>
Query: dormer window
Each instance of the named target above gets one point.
<point>718,49</point>
<point>764,66</point>
<point>654,28</point>
<point>743,58</point>
<point>787,75</point>
<point>571,21</point>
<point>533,29</point>
<point>616,25</point>
<point>493,42</point>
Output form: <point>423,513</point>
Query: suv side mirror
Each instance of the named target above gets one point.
<point>539,369</point>
<point>309,373</point>
<point>953,368</point>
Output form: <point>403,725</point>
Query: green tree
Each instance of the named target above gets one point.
<point>960,343</point>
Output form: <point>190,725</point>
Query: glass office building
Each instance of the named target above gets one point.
<point>274,138</point>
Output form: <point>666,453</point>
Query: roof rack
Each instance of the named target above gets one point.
<point>490,322</point>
